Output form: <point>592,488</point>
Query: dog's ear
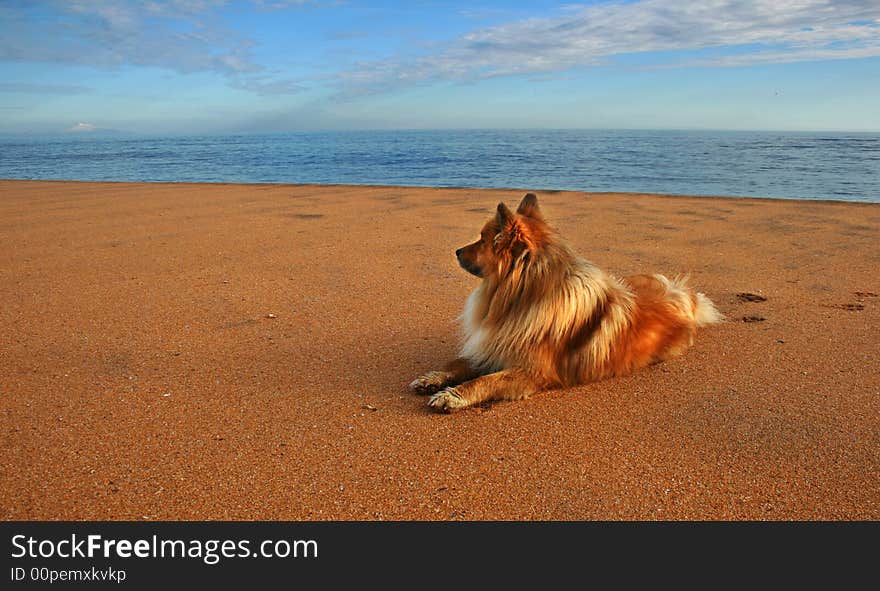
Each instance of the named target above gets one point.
<point>513,234</point>
<point>528,207</point>
<point>504,216</point>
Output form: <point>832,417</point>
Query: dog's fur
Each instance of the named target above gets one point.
<point>545,318</point>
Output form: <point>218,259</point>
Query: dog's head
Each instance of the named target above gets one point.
<point>506,240</point>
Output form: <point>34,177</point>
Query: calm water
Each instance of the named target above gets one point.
<point>762,164</point>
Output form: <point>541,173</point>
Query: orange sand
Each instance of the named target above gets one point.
<point>143,375</point>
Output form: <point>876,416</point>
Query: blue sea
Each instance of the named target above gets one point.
<point>785,165</point>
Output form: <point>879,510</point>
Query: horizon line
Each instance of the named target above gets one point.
<point>117,133</point>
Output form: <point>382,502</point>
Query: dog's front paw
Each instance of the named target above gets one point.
<point>429,383</point>
<point>447,400</point>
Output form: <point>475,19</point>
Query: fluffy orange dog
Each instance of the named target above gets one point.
<point>544,317</point>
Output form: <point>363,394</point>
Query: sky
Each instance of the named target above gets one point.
<point>257,66</point>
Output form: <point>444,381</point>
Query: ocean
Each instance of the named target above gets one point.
<point>783,165</point>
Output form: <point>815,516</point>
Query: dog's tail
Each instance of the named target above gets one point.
<point>696,304</point>
<point>705,311</point>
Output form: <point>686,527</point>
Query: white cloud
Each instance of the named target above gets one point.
<point>761,31</point>
<point>82,128</point>
<point>180,35</point>
<point>184,36</point>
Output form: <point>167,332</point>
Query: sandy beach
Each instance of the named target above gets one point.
<point>241,352</point>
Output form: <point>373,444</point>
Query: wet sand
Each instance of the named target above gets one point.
<point>242,352</point>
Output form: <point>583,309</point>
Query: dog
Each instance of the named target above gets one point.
<point>544,318</point>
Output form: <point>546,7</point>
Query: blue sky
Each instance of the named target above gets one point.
<point>214,66</point>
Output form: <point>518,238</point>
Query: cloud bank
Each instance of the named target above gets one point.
<point>184,36</point>
<point>738,32</point>
<point>188,36</point>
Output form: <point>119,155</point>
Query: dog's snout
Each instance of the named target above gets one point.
<point>458,252</point>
